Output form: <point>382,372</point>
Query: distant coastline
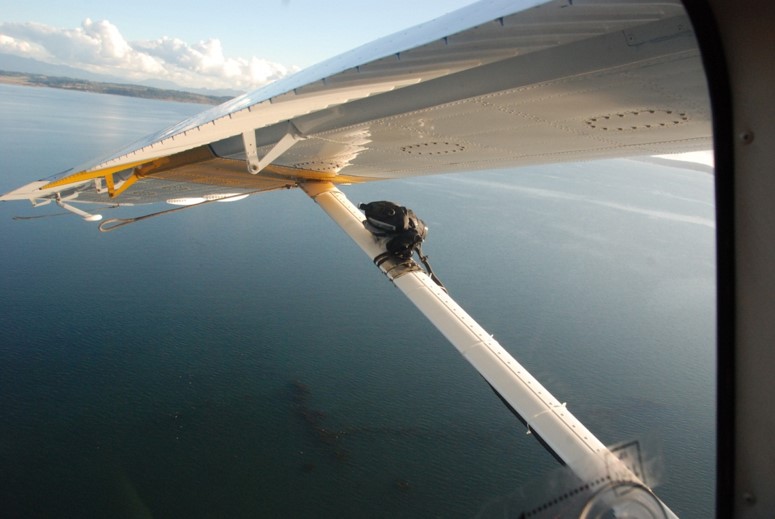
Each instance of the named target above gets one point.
<point>121,89</point>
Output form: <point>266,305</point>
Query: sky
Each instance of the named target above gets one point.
<point>204,44</point>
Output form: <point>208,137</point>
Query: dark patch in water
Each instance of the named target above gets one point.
<point>327,435</point>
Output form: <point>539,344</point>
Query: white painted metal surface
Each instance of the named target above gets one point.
<point>80,212</point>
<point>545,416</point>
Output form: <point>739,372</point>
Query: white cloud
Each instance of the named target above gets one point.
<point>21,46</point>
<point>99,46</point>
<point>13,46</point>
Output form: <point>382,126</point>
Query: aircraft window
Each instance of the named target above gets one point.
<point>245,360</point>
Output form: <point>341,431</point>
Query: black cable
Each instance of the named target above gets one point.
<point>38,216</point>
<point>428,268</point>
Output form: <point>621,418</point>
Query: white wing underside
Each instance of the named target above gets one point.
<point>479,89</point>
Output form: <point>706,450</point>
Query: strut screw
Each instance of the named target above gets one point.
<point>746,137</point>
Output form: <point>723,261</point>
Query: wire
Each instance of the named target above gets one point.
<point>38,216</point>
<point>114,223</point>
<point>428,268</point>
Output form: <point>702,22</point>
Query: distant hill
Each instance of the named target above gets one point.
<point>15,63</point>
<point>33,66</point>
<point>122,89</point>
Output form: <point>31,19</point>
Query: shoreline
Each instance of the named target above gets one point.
<point>97,87</point>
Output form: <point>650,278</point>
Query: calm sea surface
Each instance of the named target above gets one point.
<point>246,359</point>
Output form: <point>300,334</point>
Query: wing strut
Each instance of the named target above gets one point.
<point>256,164</point>
<point>80,212</point>
<point>546,418</point>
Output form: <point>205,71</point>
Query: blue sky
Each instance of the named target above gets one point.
<point>264,40</point>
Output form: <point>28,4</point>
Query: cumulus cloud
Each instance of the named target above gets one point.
<point>99,46</point>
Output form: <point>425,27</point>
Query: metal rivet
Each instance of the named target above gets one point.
<point>746,137</point>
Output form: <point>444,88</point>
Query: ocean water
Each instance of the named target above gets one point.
<point>246,359</point>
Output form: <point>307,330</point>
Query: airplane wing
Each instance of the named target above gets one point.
<point>491,86</point>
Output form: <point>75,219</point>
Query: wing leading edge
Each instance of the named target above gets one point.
<point>482,88</point>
